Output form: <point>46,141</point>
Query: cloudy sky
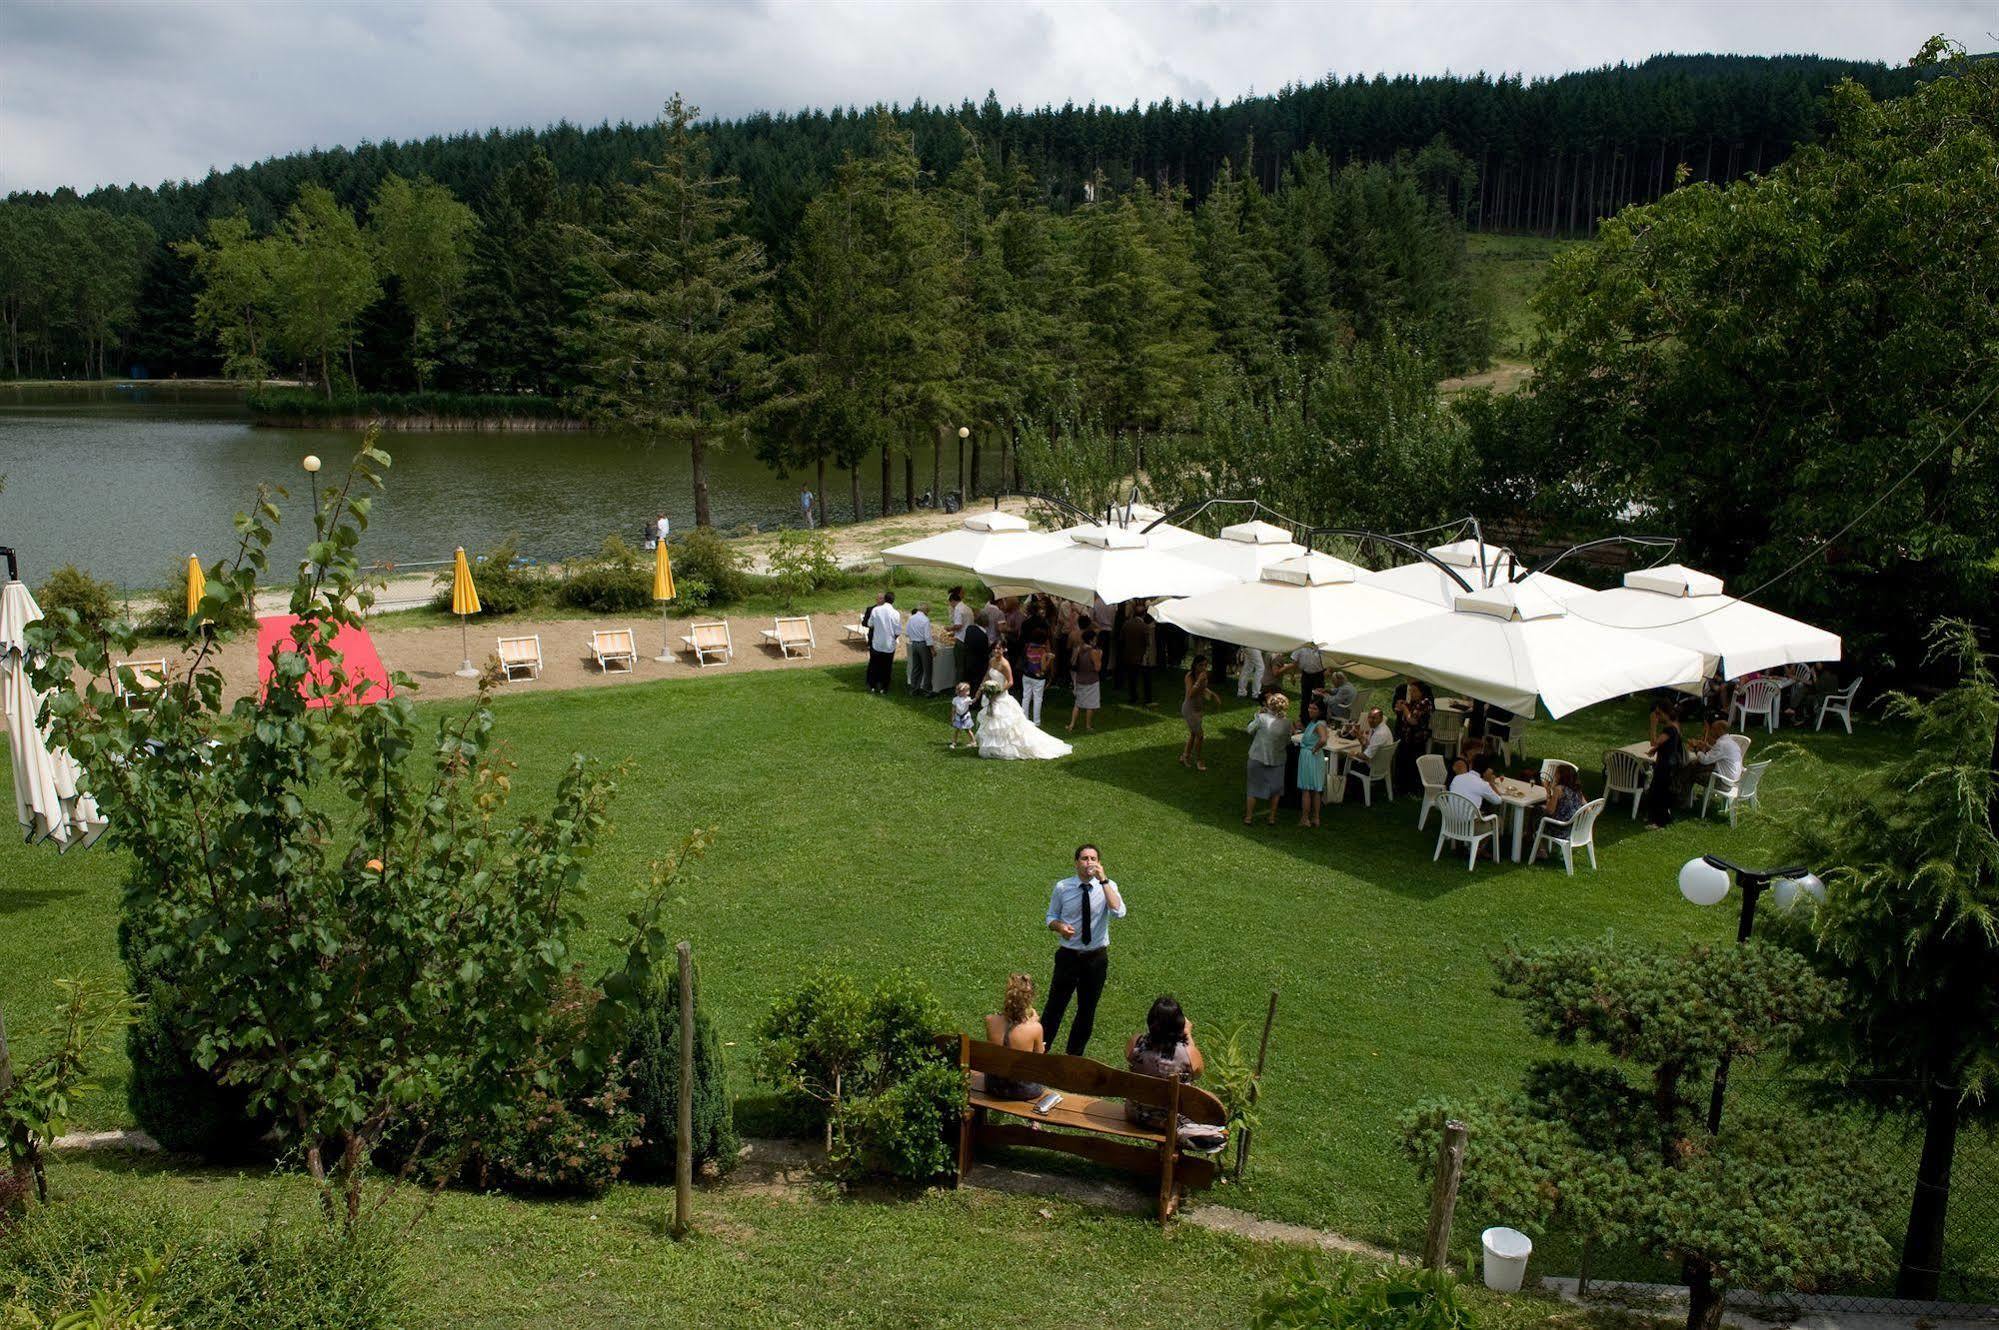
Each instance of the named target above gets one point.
<point>94,93</point>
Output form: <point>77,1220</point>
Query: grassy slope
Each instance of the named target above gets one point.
<point>1511,267</point>
<point>849,836</point>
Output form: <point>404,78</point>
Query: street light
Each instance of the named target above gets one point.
<point>311,465</point>
<point>1704,881</point>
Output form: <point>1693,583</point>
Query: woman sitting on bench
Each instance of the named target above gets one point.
<point>1017,1026</point>
<point>1165,1048</point>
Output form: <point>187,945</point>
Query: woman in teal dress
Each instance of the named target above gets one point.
<point>1312,762</point>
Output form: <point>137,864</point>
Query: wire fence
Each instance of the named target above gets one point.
<point>1968,1277</point>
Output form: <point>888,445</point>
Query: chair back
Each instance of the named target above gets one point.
<point>1384,759</point>
<point>1460,816</point>
<point>1758,694</point>
<point>711,634</point>
<point>1435,775</point>
<point>794,630</point>
<point>1583,828</point>
<point>1623,772</point>
<point>520,650</point>
<point>613,642</point>
<point>1446,725</point>
<point>1752,776</point>
<point>1846,695</point>
<point>1550,765</point>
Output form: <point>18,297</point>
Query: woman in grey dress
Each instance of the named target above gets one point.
<point>1269,751</point>
<point>1193,710</point>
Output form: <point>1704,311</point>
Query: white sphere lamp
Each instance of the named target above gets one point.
<point>1810,884</point>
<point>311,464</point>
<point>1784,893</point>
<point>1702,883</point>
<point>964,431</point>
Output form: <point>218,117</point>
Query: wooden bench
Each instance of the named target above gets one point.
<point>522,654</point>
<point>614,647</point>
<point>1090,1121</point>
<point>710,639</point>
<point>793,635</point>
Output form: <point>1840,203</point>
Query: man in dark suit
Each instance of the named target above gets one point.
<point>975,651</point>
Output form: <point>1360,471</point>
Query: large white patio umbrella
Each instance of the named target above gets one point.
<point>1243,550</point>
<point>1109,563</point>
<point>1145,518</point>
<point>1479,565</point>
<point>994,537</point>
<point>46,798</point>
<point>1688,608</point>
<point>1308,600</point>
<point>1517,648</point>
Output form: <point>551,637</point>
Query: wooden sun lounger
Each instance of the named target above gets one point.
<point>614,647</point>
<point>710,639</point>
<point>792,636</point>
<point>522,654</point>
<point>147,677</point>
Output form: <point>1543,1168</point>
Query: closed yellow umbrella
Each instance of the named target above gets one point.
<point>464,601</point>
<point>197,585</point>
<point>662,591</point>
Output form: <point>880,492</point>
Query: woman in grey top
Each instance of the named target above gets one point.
<point>1269,740</point>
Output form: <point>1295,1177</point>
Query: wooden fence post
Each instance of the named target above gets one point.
<point>1444,1194</point>
<point>683,1150</point>
<point>1256,1083</point>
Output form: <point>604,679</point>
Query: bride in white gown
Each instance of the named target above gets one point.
<point>1004,729</point>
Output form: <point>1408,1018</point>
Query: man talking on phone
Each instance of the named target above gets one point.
<point>1079,912</point>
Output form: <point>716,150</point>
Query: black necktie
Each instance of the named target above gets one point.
<point>1085,891</point>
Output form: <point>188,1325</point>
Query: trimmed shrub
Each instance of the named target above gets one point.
<point>703,555</point>
<point>801,562</point>
<point>94,603</point>
<point>652,1070</point>
<point>296,1276</point>
<point>176,1100</point>
<point>615,582</point>
<point>504,588</point>
<point>1360,1297</point>
<point>164,613</point>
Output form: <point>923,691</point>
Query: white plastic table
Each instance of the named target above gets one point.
<point>1519,796</point>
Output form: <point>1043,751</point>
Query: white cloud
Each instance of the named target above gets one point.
<point>94,93</point>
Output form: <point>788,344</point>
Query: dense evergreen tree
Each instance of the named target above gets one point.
<point>524,294</point>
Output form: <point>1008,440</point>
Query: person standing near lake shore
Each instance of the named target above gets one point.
<point>805,505</point>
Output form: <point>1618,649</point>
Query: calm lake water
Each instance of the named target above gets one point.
<point>126,483</point>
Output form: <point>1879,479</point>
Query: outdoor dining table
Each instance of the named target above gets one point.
<point>1519,796</point>
<point>1339,751</point>
<point>1642,750</point>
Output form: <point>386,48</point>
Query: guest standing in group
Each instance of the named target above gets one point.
<point>1088,673</point>
<point>884,628</point>
<point>1413,714</point>
<point>1311,666</point>
<point>1669,765</point>
<point>974,653</point>
<point>1134,642</point>
<point>1269,750</point>
<point>960,613</point>
<point>921,651</point>
<point>1035,660</point>
<point>1080,910</point>
<point>1312,759</point>
<point>1194,710</point>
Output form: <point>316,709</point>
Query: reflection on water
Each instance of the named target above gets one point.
<point>126,483</point>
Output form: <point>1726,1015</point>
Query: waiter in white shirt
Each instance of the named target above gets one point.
<point>884,627</point>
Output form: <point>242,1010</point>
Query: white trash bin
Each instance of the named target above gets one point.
<point>1506,1253</point>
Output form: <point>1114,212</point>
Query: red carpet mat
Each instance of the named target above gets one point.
<point>367,681</point>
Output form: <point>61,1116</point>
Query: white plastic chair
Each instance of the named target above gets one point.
<point>1735,794</point>
<point>1760,698</point>
<point>1464,824</point>
<point>1582,835</point>
<point>1447,731</point>
<point>1436,779</point>
<point>1508,735</point>
<point>1839,704</point>
<point>1550,765</point>
<point>1626,773</point>
<point>1380,770</point>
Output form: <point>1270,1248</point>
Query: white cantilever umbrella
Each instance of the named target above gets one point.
<point>1687,608</point>
<point>994,537</point>
<point>46,798</point>
<point>1309,600</point>
<point>1142,518</point>
<point>1105,562</point>
<point>1513,647</point>
<point>1243,551</point>
<point>1480,566</point>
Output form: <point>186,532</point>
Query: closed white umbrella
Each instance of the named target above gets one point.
<point>1243,551</point>
<point>1515,647</point>
<point>994,537</point>
<point>47,801</point>
<point>1688,608</point>
<point>1109,563</point>
<point>1309,600</point>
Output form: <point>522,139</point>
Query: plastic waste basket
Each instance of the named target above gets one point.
<point>1506,1253</point>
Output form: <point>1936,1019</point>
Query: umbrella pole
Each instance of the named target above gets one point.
<point>665,656</point>
<point>465,671</point>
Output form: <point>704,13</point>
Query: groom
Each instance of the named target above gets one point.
<point>1079,912</point>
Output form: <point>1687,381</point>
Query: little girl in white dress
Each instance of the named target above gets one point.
<point>961,713</point>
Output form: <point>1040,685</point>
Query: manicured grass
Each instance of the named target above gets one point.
<point>1512,268</point>
<point>849,836</point>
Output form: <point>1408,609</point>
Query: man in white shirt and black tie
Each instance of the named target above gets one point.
<point>884,627</point>
<point>1080,910</point>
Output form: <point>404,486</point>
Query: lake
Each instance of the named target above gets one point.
<point>125,483</point>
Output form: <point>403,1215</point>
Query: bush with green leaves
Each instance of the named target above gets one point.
<point>868,1067</point>
<point>364,934</point>
<point>1616,1147</point>
<point>164,612</point>
<point>94,603</point>
<point>36,1103</point>
<point>283,1276</point>
<point>802,562</point>
<point>652,1070</point>
<point>616,581</point>
<point>1356,1296</point>
<point>505,583</point>
<point>703,556</point>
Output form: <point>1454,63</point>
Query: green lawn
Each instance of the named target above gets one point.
<point>849,836</point>
<point>1511,267</point>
